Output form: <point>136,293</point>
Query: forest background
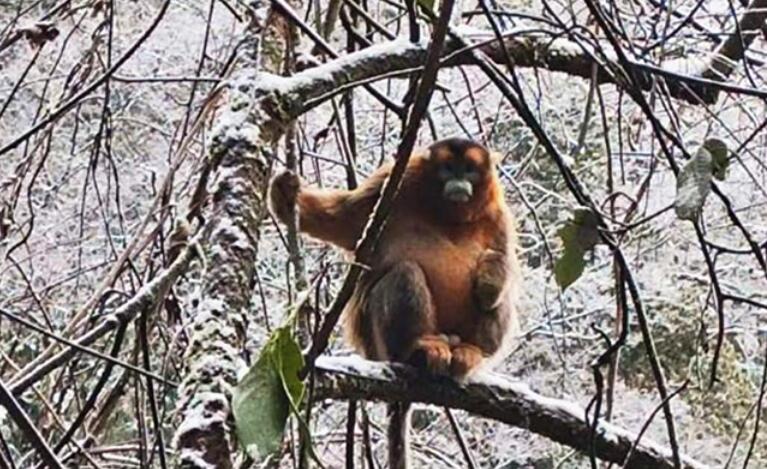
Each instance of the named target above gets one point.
<point>141,273</point>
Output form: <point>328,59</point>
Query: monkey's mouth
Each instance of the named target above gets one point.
<point>458,190</point>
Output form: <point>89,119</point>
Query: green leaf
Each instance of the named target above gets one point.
<point>719,154</point>
<point>569,267</point>
<point>579,235</point>
<point>693,185</point>
<point>427,4</point>
<point>262,400</point>
<point>289,362</point>
<point>582,231</point>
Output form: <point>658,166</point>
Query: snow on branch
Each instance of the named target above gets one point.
<point>733,49</point>
<point>311,87</point>
<point>492,396</point>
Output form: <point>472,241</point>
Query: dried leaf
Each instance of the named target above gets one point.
<point>40,33</point>
<point>719,157</point>
<point>694,182</point>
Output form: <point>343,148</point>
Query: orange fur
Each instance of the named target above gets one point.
<point>436,351</point>
<point>447,240</point>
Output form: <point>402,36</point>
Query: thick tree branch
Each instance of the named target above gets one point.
<point>492,396</point>
<point>308,89</point>
<point>217,325</point>
<point>283,99</point>
<point>683,78</point>
<point>733,49</point>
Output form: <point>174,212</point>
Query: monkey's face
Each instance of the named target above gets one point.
<point>461,168</point>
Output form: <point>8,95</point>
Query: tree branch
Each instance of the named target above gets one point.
<point>21,419</point>
<point>492,396</point>
<point>239,154</point>
<point>733,49</point>
<point>684,78</point>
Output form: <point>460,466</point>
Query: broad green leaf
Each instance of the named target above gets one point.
<point>581,231</point>
<point>693,185</point>
<point>289,361</point>
<point>260,407</point>
<point>262,399</point>
<point>579,235</point>
<point>569,267</point>
<point>719,154</point>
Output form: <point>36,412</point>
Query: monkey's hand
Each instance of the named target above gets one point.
<point>283,192</point>
<point>489,280</point>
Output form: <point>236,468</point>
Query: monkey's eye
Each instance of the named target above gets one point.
<point>445,172</point>
<point>472,175</point>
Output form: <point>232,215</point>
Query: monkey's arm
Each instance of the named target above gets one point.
<point>497,269</point>
<point>495,280</point>
<point>335,216</point>
<point>332,215</point>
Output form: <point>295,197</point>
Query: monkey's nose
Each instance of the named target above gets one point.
<point>458,190</point>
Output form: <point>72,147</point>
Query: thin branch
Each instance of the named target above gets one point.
<point>78,346</point>
<point>148,295</point>
<point>367,244</point>
<point>731,51</point>
<point>470,462</point>
<point>21,419</point>
<point>74,100</point>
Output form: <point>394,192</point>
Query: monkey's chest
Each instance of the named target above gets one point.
<point>449,266</point>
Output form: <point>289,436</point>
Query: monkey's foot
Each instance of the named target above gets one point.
<point>466,357</point>
<point>432,352</point>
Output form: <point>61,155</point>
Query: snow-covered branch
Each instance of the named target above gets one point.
<point>311,87</point>
<point>217,326</point>
<point>491,396</point>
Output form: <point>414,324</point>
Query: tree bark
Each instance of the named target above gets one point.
<point>493,396</point>
<point>205,437</point>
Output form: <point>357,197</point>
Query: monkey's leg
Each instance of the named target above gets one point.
<point>400,319</point>
<point>398,322</point>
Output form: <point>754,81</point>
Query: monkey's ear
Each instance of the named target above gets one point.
<point>495,158</point>
<point>425,153</point>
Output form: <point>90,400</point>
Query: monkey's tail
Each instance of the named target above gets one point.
<point>399,442</point>
<point>355,328</point>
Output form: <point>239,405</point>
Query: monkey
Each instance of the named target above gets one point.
<point>441,288</point>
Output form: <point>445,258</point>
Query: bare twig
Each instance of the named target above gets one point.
<point>147,296</point>
<point>733,49</point>
<point>74,100</point>
<point>21,419</point>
